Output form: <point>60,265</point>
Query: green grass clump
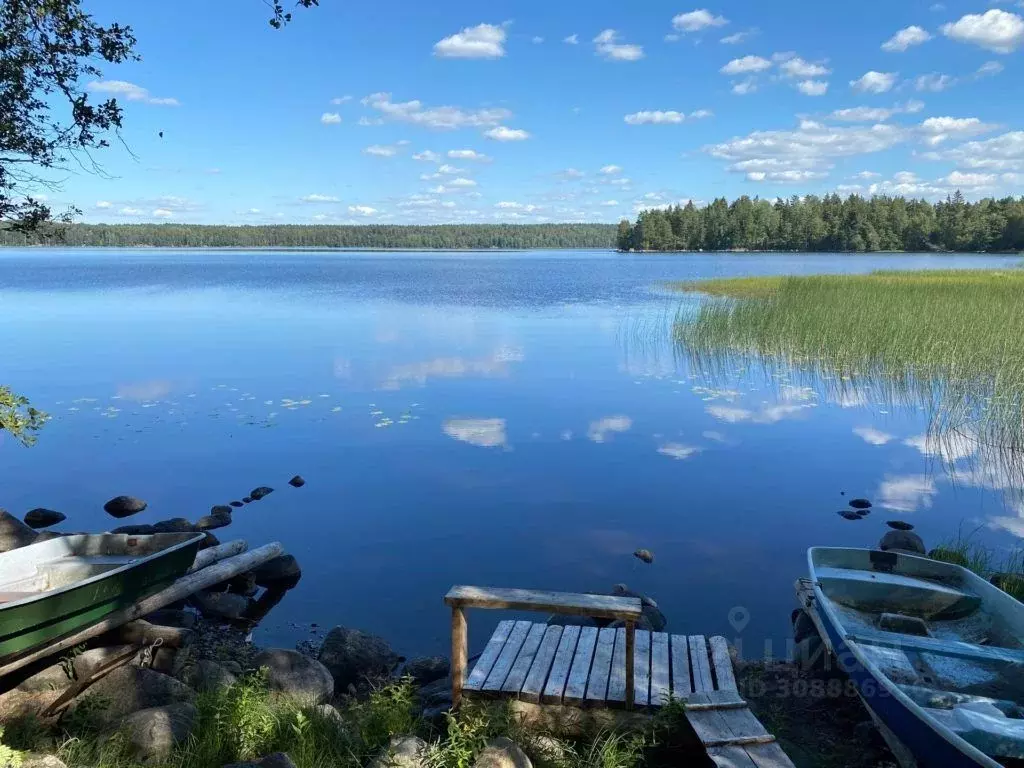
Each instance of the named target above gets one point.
<point>963,551</point>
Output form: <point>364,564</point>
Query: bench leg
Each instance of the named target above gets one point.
<point>460,653</point>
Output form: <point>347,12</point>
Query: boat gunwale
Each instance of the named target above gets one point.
<point>826,606</point>
<point>50,593</point>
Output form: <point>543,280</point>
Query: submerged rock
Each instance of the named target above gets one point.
<point>212,522</point>
<point>14,533</point>
<point>124,506</point>
<point>902,541</point>
<point>246,500</point>
<point>220,509</point>
<point>297,482</point>
<point>174,525</point>
<point>135,530</point>
<point>40,517</point>
<point>899,525</point>
<point>644,554</point>
<point>237,504</point>
<point>258,493</point>
<point>353,656</point>
<point>281,572</point>
<point>848,514</point>
<point>860,503</point>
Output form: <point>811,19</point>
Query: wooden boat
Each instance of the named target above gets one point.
<point>937,652</point>
<point>57,587</point>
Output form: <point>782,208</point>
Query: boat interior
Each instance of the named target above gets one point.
<point>943,636</point>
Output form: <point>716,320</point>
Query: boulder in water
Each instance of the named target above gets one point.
<point>220,509</point>
<point>899,525</point>
<point>40,517</point>
<point>258,493</point>
<point>297,482</point>
<point>902,541</point>
<point>644,554</point>
<point>860,503</point>
<point>849,514</point>
<point>124,506</point>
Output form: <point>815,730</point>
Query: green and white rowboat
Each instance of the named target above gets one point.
<point>54,588</point>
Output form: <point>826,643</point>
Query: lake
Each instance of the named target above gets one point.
<point>508,419</point>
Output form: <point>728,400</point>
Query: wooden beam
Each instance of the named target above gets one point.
<point>596,606</point>
<point>460,653</point>
<point>178,590</point>
<point>207,557</point>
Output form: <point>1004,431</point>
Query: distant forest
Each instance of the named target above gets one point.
<point>324,236</point>
<point>830,223</point>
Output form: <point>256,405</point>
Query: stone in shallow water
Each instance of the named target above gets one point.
<point>281,572</point>
<point>644,554</point>
<point>124,506</point>
<point>246,500</point>
<point>135,530</point>
<point>211,522</point>
<point>237,504</point>
<point>174,525</point>
<point>40,517</point>
<point>848,514</point>
<point>860,503</point>
<point>899,525</point>
<point>220,509</point>
<point>297,482</point>
<point>904,541</point>
<point>261,492</point>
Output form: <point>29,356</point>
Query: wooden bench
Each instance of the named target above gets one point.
<point>504,654</point>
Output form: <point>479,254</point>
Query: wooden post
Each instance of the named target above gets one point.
<point>630,646</point>
<point>460,654</point>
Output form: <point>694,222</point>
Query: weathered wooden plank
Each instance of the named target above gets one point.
<point>951,648</point>
<point>492,650</point>
<point>702,682</point>
<point>642,669</point>
<point>560,668</point>
<point>507,657</point>
<point>709,726</point>
<point>517,675</point>
<point>722,662</point>
<point>731,757</point>
<point>768,756</point>
<point>682,686</point>
<point>617,673</point>
<point>600,670</point>
<point>538,675</point>
<point>743,724</point>
<point>661,690</point>
<point>597,606</point>
<point>576,688</point>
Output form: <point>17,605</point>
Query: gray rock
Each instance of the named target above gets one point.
<point>207,676</point>
<point>220,509</point>
<point>169,617</point>
<point>502,753</point>
<point>247,500</point>
<point>237,504</point>
<point>352,656</point>
<point>549,750</point>
<point>14,533</point>
<point>276,760</point>
<point>220,605</point>
<point>297,482</point>
<point>331,716</point>
<point>33,760</point>
<point>902,541</point>
<point>128,689</point>
<point>211,522</point>
<point>655,618</point>
<point>243,584</point>
<point>848,514</point>
<point>427,669</point>
<point>401,752</point>
<point>282,572</point>
<point>52,678</point>
<point>860,504</point>
<point>436,694</point>
<point>124,506</point>
<point>174,525</point>
<point>295,675</point>
<point>152,734</point>
<point>258,493</point>
<point>135,530</point>
<point>209,540</point>
<point>40,517</point>
<point>900,525</point>
<point>645,555</point>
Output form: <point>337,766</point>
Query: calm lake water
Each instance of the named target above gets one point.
<point>507,419</point>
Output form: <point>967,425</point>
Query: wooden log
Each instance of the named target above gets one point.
<point>180,589</point>
<point>460,653</point>
<point>213,555</point>
<point>141,631</point>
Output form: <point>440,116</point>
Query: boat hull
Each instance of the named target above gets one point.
<point>29,623</point>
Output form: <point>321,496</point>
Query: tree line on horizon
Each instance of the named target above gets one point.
<point>830,223</point>
<point>470,236</point>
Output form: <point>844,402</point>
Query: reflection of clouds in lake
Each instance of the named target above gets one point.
<point>906,493</point>
<point>850,398</point>
<point>342,368</point>
<point>728,414</point>
<point>145,390</point>
<point>678,450</point>
<point>599,430</point>
<point>487,433</point>
<point>419,373</point>
<point>717,437</point>
<point>873,436</point>
<point>768,415</point>
<point>566,434</point>
<point>951,446</point>
<point>794,394</point>
<point>716,393</point>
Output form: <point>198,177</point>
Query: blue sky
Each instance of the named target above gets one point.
<point>411,112</point>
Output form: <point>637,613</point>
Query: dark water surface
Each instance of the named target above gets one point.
<point>507,419</point>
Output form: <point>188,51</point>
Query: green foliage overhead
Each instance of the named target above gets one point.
<point>830,223</point>
<point>18,418</point>
<point>470,236</point>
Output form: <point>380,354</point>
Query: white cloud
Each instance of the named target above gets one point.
<point>362,210</point>
<point>701,114</point>
<point>678,450</point>
<point>798,68</point>
<point>486,433</point>
<point>874,82</point>
<point>939,129</point>
<point>426,156</point>
<point>444,118</point>
<point>875,114</point>
<point>571,173</point>
<point>319,199</point>
<point>906,38</point>
<point>1001,153</point>
<point>462,182</point>
<point>934,82</point>
<point>746,65</point>
<point>572,39</point>
<point>989,68</point>
<point>484,41</point>
<point>379,150</point>
<point>607,46</point>
<point>128,92</point>
<point>340,100</point>
<point>610,170</point>
<point>449,170</point>
<point>745,87</point>
<point>655,117</point>
<point>738,37</point>
<point>600,429</point>
<point>995,30</point>
<point>695,21</point>
<point>129,211</point>
<point>873,436</point>
<point>502,133</point>
<point>468,154</point>
<point>103,204</point>
<point>609,203</point>
<point>906,493</point>
<point>330,118</point>
<point>536,39</point>
<point>812,87</point>
<point>163,213</point>
<point>507,205</point>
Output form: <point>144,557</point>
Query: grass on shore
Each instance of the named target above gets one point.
<point>964,551</point>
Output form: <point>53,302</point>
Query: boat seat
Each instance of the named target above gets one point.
<point>952,648</point>
<point>988,729</point>
<point>879,592</point>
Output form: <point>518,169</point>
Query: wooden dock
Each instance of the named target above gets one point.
<point>611,667</point>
